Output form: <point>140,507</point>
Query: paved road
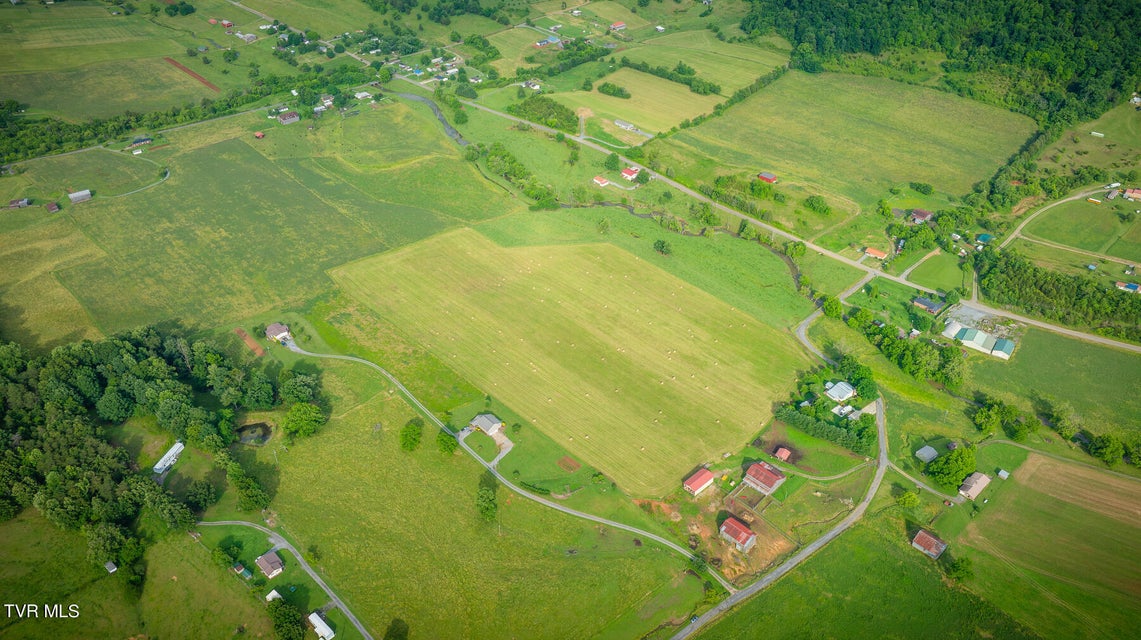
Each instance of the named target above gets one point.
<point>802,328</point>
<point>281,543</point>
<point>810,548</point>
<point>503,480</point>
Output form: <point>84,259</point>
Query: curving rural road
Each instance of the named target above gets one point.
<point>279,542</point>
<point>1028,219</point>
<point>503,480</point>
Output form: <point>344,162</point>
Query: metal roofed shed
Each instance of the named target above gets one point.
<point>322,628</point>
<point>487,423</point>
<point>840,391</point>
<point>169,458</point>
<point>927,453</point>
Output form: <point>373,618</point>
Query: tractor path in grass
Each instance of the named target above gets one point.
<point>1030,218</point>
<point>279,542</point>
<point>419,406</point>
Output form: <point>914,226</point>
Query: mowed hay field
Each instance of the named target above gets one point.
<point>635,371</point>
<point>1063,556</point>
<point>1099,228</point>
<point>515,45</point>
<point>941,272</point>
<point>730,65</point>
<point>856,136</point>
<point>654,104</point>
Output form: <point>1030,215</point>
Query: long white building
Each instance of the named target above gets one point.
<point>169,458</point>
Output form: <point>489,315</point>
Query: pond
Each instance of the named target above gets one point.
<point>254,435</point>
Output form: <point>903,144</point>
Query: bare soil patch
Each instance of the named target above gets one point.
<point>183,68</point>
<point>1112,496</point>
<point>569,464</point>
<point>250,342</point>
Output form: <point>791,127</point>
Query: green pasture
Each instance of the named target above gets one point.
<point>654,105</point>
<point>730,65</point>
<point>812,456</point>
<point>637,415</point>
<point>827,275</point>
<point>294,585</point>
<point>887,300</point>
<point>940,272</point>
<point>1057,566</point>
<point>804,509</point>
<point>609,12</point>
<point>867,583</point>
<point>829,130</point>
<point>1112,227</point>
<point>1071,262</point>
<point>1119,150</point>
<point>328,18</point>
<point>515,45</point>
<point>1092,376</point>
<point>106,173</point>
<point>384,504</point>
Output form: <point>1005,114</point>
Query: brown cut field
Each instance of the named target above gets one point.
<point>1112,496</point>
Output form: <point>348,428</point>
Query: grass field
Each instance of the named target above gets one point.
<point>811,455</point>
<point>1098,228</point>
<point>515,45</point>
<point>654,104</point>
<point>730,65</point>
<point>841,593</point>
<point>1062,559</point>
<point>589,374</point>
<point>1119,150</point>
<point>828,129</point>
<point>1091,373</point>
<point>940,272</point>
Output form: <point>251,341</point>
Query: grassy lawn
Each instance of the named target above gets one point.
<point>827,275</point>
<point>654,105</point>
<point>828,129</point>
<point>940,272</point>
<point>1099,228</point>
<point>1092,375</point>
<point>105,173</point>
<point>840,592</point>
<point>515,45</point>
<point>1063,560</point>
<point>730,65</point>
<point>813,456</point>
<point>1070,262</point>
<point>589,374</point>
<point>1120,149</point>
<point>887,300</point>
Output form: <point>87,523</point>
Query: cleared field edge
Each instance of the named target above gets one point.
<point>624,425</point>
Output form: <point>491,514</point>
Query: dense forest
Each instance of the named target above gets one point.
<point>56,456</point>
<point>1011,279</point>
<point>1063,60</point>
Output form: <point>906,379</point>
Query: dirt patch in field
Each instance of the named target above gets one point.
<point>183,68</point>
<point>250,342</point>
<point>1112,496</point>
<point>569,464</point>
<point>770,547</point>
<point>584,112</point>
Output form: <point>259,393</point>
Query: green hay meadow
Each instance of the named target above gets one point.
<point>654,105</point>
<point>830,130</point>
<point>730,65</point>
<point>515,45</point>
<point>940,272</point>
<point>1092,374</point>
<point>562,335</point>
<point>1112,228</point>
<point>1119,150</point>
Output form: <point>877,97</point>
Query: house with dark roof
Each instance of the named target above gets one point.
<point>487,423</point>
<point>52,207</point>
<point>763,477</point>
<point>19,203</point>
<point>289,117</point>
<point>737,533</point>
<point>278,333</point>
<point>929,544</point>
<point>270,564</point>
<point>920,215</point>
<point>928,305</point>
<point>698,482</point>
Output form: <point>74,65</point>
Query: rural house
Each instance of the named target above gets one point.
<point>270,564</point>
<point>19,203</point>
<point>736,532</point>
<point>974,485</point>
<point>622,124</point>
<point>874,253</point>
<point>629,173</point>
<point>278,333</point>
<point>487,423</point>
<point>920,215</point>
<point>929,544</point>
<point>288,117</point>
<point>928,305</point>
<point>79,196</point>
<point>763,477</point>
<point>322,628</point>
<point>839,392</point>
<point>618,26</point>
<point>169,458</point>
<point>927,453</point>
<point>698,482</point>
<point>770,178</point>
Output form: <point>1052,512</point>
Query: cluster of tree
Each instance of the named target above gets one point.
<point>442,11</point>
<point>743,194</point>
<point>611,89</point>
<point>398,39</point>
<point>446,442</point>
<point>486,51</point>
<point>1011,279</point>
<point>663,247</point>
<point>288,623</point>
<point>24,137</point>
<point>502,162</point>
<point>411,433</point>
<point>951,469</point>
<point>545,111</point>
<point>573,54</point>
<point>485,501</point>
<point>816,417</point>
<point>1107,447</point>
<point>994,414</point>
<point>180,9</point>
<point>1068,60</point>
<point>682,73</point>
<point>917,358</point>
<point>815,204</point>
<point>858,435</point>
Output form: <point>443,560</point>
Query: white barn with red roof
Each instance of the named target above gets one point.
<point>764,477</point>
<point>698,482</point>
<point>737,533</point>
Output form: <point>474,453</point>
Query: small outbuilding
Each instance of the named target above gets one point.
<point>322,628</point>
<point>259,135</point>
<point>929,544</point>
<point>1003,348</point>
<point>79,196</point>
<point>110,567</point>
<point>927,454</point>
<point>782,454</point>
<point>974,485</point>
<point>1003,474</point>
<point>270,564</point>
<point>273,595</point>
<point>169,458</point>
<point>289,117</point>
<point>737,533</point>
<point>487,423</point>
<point>698,482</point>
<point>928,305</point>
<point>52,207</point>
<point>600,181</point>
<point>763,477</point>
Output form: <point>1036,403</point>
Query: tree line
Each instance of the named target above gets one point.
<point>502,162</point>
<point>682,74</point>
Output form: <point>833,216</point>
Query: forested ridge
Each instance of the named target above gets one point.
<point>1064,60</point>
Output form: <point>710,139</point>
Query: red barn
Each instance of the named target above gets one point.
<point>767,177</point>
<point>782,454</point>
<point>698,482</point>
<point>763,477</point>
<point>736,532</point>
<point>929,544</point>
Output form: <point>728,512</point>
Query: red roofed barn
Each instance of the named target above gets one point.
<point>767,177</point>
<point>782,454</point>
<point>929,544</point>
<point>736,532</point>
<point>764,477</point>
<point>699,481</point>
